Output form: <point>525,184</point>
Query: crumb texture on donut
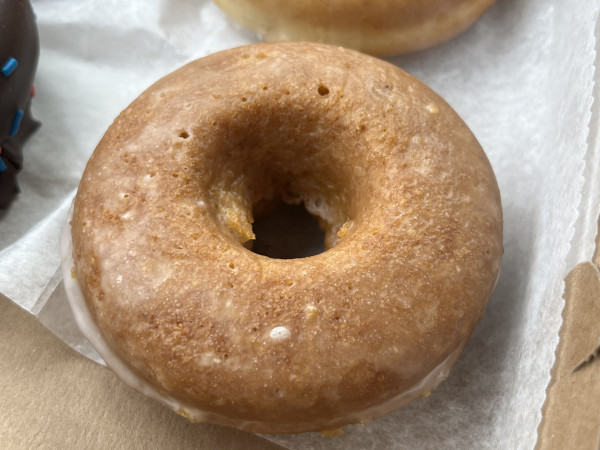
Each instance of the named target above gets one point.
<point>378,27</point>
<point>162,230</point>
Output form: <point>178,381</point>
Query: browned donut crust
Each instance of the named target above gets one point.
<point>378,27</point>
<point>405,193</point>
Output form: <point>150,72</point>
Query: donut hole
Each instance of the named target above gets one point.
<point>287,232</point>
<point>278,183</point>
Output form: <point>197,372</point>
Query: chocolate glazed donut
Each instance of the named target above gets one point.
<point>19,51</point>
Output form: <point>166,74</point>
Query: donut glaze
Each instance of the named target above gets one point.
<point>163,217</point>
<point>19,50</point>
<point>379,27</point>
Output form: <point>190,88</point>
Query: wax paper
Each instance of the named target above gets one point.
<point>522,78</point>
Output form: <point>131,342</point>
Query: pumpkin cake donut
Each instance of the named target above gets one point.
<point>161,279</point>
<point>378,27</point>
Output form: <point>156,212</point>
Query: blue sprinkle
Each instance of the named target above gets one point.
<point>9,66</point>
<point>16,123</point>
<point>2,165</point>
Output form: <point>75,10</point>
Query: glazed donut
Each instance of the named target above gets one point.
<point>377,27</point>
<point>173,299</point>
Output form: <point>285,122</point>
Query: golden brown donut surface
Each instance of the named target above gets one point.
<point>379,27</point>
<point>405,193</point>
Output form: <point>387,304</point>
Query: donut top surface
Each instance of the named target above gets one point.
<point>19,49</point>
<point>379,27</point>
<point>407,198</point>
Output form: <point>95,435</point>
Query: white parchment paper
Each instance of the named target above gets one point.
<point>522,79</point>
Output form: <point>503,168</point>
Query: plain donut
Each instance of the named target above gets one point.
<point>377,27</point>
<point>406,196</point>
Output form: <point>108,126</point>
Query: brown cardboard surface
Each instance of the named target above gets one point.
<point>52,397</point>
<point>571,413</point>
